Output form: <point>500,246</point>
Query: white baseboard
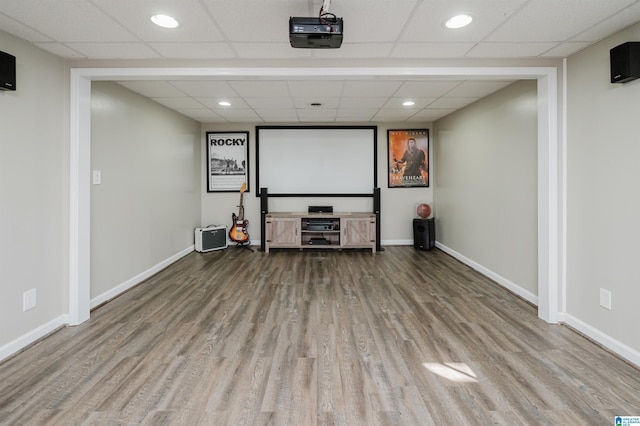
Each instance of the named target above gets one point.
<point>511,286</point>
<point>396,242</point>
<point>605,340</point>
<point>121,288</point>
<point>25,340</point>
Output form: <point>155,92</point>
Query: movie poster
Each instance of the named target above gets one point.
<point>408,155</point>
<point>227,161</point>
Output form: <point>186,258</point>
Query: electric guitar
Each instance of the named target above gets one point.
<point>238,232</point>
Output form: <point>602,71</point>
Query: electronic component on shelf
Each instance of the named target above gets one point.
<point>319,242</point>
<point>320,209</point>
<point>322,225</point>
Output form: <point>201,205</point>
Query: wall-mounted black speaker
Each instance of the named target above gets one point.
<point>625,62</point>
<point>424,234</point>
<point>7,71</point>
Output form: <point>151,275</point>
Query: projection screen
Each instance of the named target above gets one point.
<point>311,161</point>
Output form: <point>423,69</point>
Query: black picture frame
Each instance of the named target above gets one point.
<point>227,161</point>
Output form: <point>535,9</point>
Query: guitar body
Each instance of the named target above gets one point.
<point>238,232</point>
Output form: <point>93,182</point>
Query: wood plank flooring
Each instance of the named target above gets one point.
<point>400,337</point>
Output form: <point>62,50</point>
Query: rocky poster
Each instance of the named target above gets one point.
<point>227,161</point>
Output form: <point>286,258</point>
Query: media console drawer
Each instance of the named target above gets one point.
<point>320,230</point>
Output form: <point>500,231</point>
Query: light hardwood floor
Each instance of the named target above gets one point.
<point>303,338</point>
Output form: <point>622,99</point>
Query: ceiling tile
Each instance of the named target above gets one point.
<point>427,22</point>
<point>194,22</point>
<point>204,50</point>
<point>279,102</point>
<point>322,88</point>
<point>205,88</point>
<point>430,50</point>
<point>260,89</point>
<point>67,20</point>
<point>396,102</point>
<point>373,21</point>
<point>249,119</point>
<point>564,50</point>
<point>260,50</point>
<point>212,103</point>
<point>307,115</point>
<point>153,89</point>
<point>622,19</point>
<point>552,20</point>
<point>510,50</point>
<point>246,21</point>
<point>362,102</point>
<point>367,87</point>
<point>20,30</point>
<point>425,89</point>
<point>354,51</point>
<point>60,50</point>
<point>114,50</point>
<point>278,114</point>
<point>305,102</point>
<point>356,115</point>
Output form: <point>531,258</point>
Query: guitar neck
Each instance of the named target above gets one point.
<point>241,208</point>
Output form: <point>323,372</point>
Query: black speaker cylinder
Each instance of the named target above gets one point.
<point>424,234</point>
<point>376,211</point>
<point>264,209</point>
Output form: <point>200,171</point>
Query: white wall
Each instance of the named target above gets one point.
<point>603,205</point>
<point>148,204</point>
<point>397,204</point>
<point>486,193</point>
<point>33,195</point>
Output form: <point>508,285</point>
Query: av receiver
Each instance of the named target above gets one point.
<point>322,225</point>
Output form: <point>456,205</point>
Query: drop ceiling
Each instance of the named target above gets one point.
<point>382,32</point>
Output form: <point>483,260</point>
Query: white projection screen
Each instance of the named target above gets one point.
<point>311,161</point>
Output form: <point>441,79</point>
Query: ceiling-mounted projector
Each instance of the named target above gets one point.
<point>315,33</point>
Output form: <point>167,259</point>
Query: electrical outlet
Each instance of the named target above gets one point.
<point>605,298</point>
<point>97,177</point>
<point>28,299</point>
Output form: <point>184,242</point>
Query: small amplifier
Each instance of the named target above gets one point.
<point>211,238</point>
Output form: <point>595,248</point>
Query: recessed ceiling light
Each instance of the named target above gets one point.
<point>459,21</point>
<point>408,103</point>
<point>224,103</point>
<point>164,21</point>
